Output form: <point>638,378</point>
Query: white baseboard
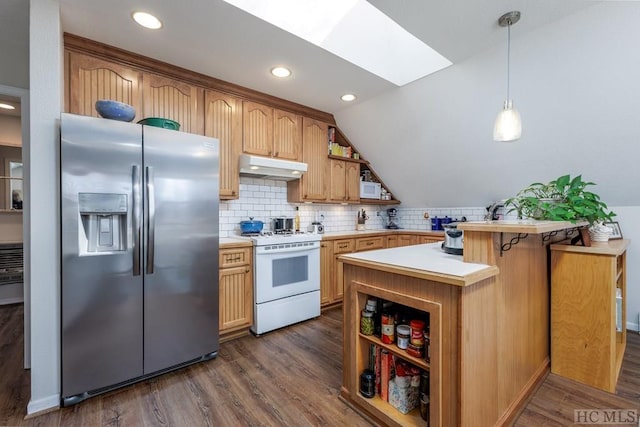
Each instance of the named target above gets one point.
<point>14,300</point>
<point>632,327</point>
<point>44,404</point>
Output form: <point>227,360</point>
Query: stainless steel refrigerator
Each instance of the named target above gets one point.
<point>139,252</point>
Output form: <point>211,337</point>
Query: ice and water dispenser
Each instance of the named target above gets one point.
<point>103,223</point>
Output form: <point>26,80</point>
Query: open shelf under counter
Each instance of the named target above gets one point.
<point>394,349</point>
<point>410,419</point>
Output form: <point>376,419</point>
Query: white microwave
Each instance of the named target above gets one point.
<point>370,190</point>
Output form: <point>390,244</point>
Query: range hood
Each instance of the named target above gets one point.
<point>270,168</point>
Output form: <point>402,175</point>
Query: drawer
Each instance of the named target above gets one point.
<point>343,246</point>
<point>369,243</point>
<point>235,257</point>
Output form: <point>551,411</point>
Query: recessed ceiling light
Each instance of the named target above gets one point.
<point>348,97</point>
<point>147,20</point>
<point>380,45</point>
<point>7,106</point>
<point>281,72</point>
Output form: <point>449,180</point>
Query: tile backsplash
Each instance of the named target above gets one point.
<point>265,199</point>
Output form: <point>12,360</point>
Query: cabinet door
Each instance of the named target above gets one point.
<point>338,190</point>
<point>172,99</point>
<point>429,239</point>
<point>352,181</point>
<point>407,240</point>
<point>314,154</point>
<point>236,298</point>
<point>223,120</point>
<point>257,127</point>
<point>369,243</point>
<point>287,135</point>
<point>327,274</point>
<point>392,241</point>
<point>90,79</point>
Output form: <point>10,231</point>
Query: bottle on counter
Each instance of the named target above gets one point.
<point>296,220</point>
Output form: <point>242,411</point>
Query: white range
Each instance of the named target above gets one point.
<point>286,279</point>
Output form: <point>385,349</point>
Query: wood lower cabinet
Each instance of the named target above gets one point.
<point>588,312</point>
<point>90,79</point>
<point>236,292</point>
<point>407,239</point>
<point>174,100</point>
<point>370,243</point>
<point>345,181</point>
<point>331,288</point>
<point>327,274</point>
<point>331,283</point>
<point>312,185</point>
<point>223,120</point>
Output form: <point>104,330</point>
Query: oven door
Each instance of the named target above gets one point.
<point>284,270</point>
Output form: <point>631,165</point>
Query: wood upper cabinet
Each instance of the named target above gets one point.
<point>287,135</point>
<point>223,120</point>
<point>338,173</point>
<point>175,100</point>
<point>352,181</point>
<point>312,185</point>
<point>257,129</point>
<point>90,79</point>
<point>271,132</point>
<point>345,181</point>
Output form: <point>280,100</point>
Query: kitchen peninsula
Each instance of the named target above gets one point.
<point>489,320</point>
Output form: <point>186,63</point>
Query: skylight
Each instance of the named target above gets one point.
<point>355,31</point>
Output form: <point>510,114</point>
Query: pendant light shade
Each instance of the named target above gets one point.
<point>508,125</point>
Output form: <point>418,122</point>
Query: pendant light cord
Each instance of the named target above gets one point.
<point>508,56</point>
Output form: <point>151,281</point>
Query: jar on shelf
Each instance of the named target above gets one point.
<point>404,335</point>
<point>417,332</point>
<point>366,322</point>
<point>388,328</point>
<point>367,383</point>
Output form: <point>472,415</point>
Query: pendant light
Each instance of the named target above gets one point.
<point>508,126</point>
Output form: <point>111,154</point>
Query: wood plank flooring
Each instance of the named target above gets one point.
<point>289,377</point>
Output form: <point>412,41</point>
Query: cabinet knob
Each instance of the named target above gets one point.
<point>233,193</point>
<point>276,154</point>
<point>247,270</point>
<point>269,153</point>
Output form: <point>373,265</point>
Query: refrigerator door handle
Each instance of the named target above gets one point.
<point>151,220</point>
<point>135,220</point>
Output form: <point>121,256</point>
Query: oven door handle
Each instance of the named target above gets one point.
<point>302,249</point>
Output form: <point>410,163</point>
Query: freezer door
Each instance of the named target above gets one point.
<point>101,297</point>
<point>181,247</point>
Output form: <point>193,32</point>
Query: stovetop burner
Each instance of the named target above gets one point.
<point>268,237</point>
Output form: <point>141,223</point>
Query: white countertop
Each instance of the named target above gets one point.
<point>428,260</point>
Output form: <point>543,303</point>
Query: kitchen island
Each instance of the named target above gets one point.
<point>489,320</point>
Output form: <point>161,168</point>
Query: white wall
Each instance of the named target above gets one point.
<point>576,85</point>
<point>41,213</point>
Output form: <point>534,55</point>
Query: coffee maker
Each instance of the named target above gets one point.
<point>392,214</point>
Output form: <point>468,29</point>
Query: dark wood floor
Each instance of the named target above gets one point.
<point>290,377</point>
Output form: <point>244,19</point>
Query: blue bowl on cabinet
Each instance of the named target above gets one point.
<point>115,110</point>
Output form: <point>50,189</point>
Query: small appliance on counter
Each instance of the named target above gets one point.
<point>316,227</point>
<point>282,225</point>
<point>453,239</point>
<point>392,214</point>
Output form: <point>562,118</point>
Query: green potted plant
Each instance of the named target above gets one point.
<point>563,199</point>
